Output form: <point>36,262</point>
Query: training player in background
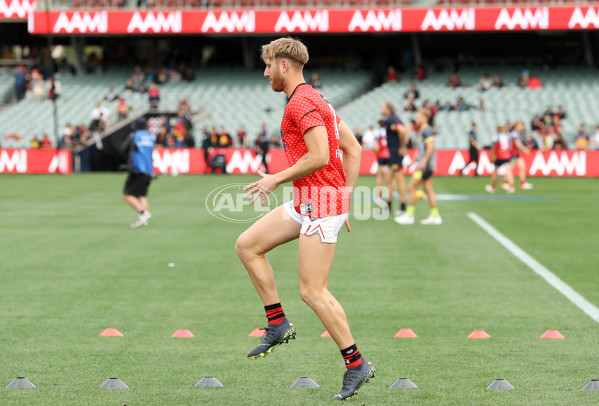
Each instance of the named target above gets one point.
<point>474,149</point>
<point>397,140</point>
<point>314,138</point>
<point>501,156</point>
<point>140,145</point>
<point>423,175</point>
<point>518,134</point>
<point>382,155</point>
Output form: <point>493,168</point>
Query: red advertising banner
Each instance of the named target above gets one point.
<point>312,21</point>
<point>35,161</point>
<point>448,162</point>
<point>16,9</point>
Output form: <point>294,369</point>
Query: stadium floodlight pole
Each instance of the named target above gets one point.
<point>53,88</point>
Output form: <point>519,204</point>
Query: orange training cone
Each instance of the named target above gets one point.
<point>552,334</point>
<point>259,332</point>
<point>325,334</point>
<point>111,332</point>
<point>479,334</point>
<point>405,333</point>
<point>182,333</point>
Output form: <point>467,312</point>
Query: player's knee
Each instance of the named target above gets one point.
<point>242,246</point>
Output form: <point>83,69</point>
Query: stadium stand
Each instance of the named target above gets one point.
<point>6,87</point>
<point>573,88</point>
<point>230,96</point>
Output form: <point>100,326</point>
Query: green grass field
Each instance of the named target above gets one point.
<point>71,267</point>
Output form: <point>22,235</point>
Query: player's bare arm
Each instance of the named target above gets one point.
<point>522,147</point>
<point>404,138</point>
<point>316,140</point>
<point>352,154</point>
<point>430,146</point>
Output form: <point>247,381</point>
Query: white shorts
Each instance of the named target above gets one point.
<point>327,227</point>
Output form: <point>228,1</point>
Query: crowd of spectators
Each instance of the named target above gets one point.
<point>35,84</point>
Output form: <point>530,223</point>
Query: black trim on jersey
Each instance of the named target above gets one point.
<point>314,109</point>
<point>289,98</point>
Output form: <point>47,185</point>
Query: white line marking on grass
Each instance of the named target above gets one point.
<point>590,309</point>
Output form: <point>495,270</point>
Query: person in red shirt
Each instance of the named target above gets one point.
<point>45,142</point>
<point>501,156</point>
<point>314,138</point>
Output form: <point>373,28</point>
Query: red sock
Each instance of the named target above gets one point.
<point>274,313</point>
<point>351,356</point>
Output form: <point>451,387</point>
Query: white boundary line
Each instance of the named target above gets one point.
<point>590,309</point>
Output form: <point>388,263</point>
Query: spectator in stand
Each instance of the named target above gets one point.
<point>162,77</point>
<point>530,142</point>
<point>112,95</point>
<point>559,143</point>
<point>582,138</point>
<point>391,74</point>
<point>122,110</point>
<point>548,115</point>
<point>412,92</point>
<point>485,83</point>
<point>524,79</point>
<point>534,83</point>
<point>437,107</point>
<point>141,88</point>
<point>448,106</point>
<point>369,137</point>
<point>188,75</point>
<point>150,75</point>
<point>224,138</point>
<point>461,105</point>
<point>497,82</point>
<point>420,73</point>
<point>358,134</point>
<point>154,96</point>
<point>315,81</point>
<point>595,140</point>
<point>410,106</point>
<point>129,88</point>
<point>175,76</point>
<point>45,143</point>
<point>38,86</point>
<point>556,126</point>
<point>482,106</point>
<point>53,88</point>
<point>138,77</point>
<point>536,123</point>
<point>101,115</point>
<point>67,136</point>
<point>561,113</point>
<point>454,81</point>
<point>35,144</point>
<point>21,79</point>
<point>242,138</point>
<point>263,145</point>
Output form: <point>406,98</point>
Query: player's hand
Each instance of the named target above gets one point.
<point>347,225</point>
<point>262,187</point>
<point>403,151</point>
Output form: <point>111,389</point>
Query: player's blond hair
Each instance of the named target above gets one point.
<point>425,112</point>
<point>390,107</point>
<point>286,48</point>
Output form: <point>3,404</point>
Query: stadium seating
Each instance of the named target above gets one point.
<point>230,96</point>
<point>6,87</point>
<point>573,88</point>
<point>234,96</point>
